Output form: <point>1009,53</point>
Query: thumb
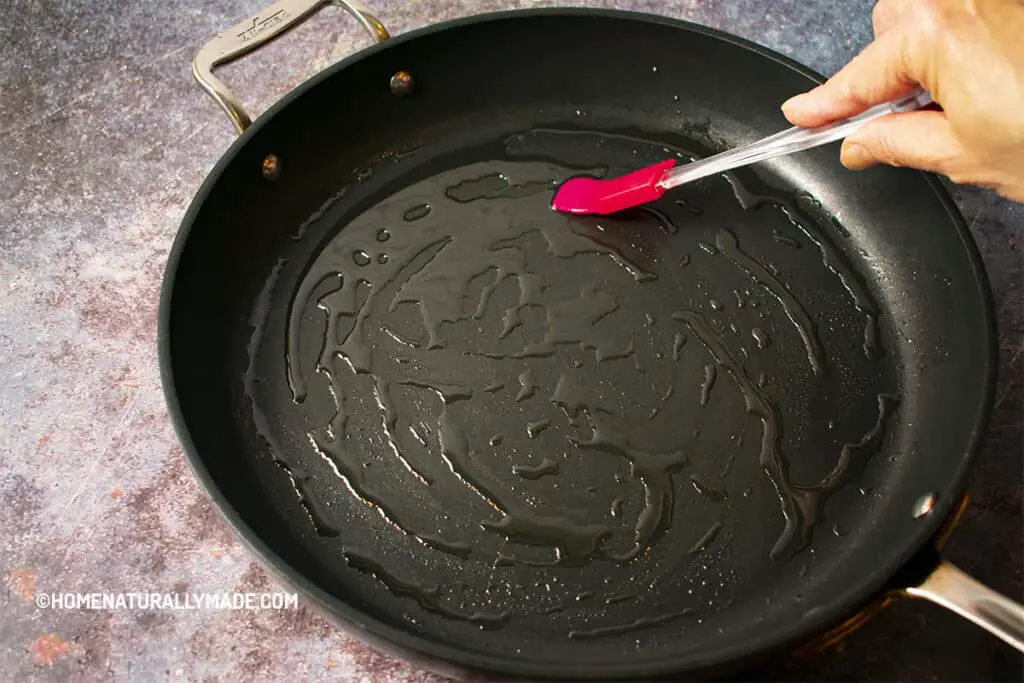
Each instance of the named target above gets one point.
<point>922,139</point>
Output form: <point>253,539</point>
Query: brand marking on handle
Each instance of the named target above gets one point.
<point>260,26</point>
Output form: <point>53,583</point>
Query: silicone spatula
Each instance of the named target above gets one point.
<point>605,196</point>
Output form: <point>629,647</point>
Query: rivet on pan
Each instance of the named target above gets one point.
<point>271,167</point>
<point>401,83</point>
<point>923,505</point>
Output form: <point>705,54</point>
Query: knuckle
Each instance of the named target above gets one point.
<point>885,13</point>
<point>879,15</point>
<point>933,17</point>
<point>883,150</point>
<point>848,92</point>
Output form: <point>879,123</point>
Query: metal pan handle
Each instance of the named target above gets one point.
<point>248,35</point>
<point>957,591</point>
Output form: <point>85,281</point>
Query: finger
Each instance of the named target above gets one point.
<point>921,139</point>
<point>885,15</point>
<point>880,73</point>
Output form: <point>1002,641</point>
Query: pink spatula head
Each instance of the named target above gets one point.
<point>586,195</point>
<point>591,195</point>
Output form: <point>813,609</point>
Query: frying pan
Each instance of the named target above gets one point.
<point>482,434</point>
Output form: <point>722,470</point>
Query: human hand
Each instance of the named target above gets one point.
<point>969,54</point>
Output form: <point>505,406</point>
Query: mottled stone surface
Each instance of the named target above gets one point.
<point>105,140</point>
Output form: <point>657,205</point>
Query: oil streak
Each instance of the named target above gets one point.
<point>704,541</point>
<point>570,396</point>
<point>709,381</point>
<point>574,543</point>
<point>757,403</point>
<point>493,186</point>
<point>707,491</point>
<point>761,338</point>
<point>643,622</point>
<point>457,548</point>
<point>831,257</point>
<point>318,214</point>
<point>785,240</point>
<point>835,262</point>
<point>526,385</point>
<point>546,466</point>
<point>314,507</point>
<point>677,345</point>
<point>654,470</point>
<point>417,212</point>
<point>537,426</point>
<point>621,597</point>
<point>727,243</point>
<point>801,506</point>
<point>429,599</point>
<point>310,502</point>
<point>853,458</point>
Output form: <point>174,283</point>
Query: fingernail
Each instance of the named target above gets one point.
<point>855,156</point>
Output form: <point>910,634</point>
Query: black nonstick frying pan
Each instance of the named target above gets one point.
<point>478,432</point>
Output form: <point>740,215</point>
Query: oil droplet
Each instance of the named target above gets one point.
<point>785,240</point>
<point>417,212</point>
<point>715,304</point>
<point>677,345</point>
<point>727,243</point>
<point>360,257</point>
<point>684,204</point>
<point>526,384</point>
<point>706,491</point>
<point>382,258</point>
<point>527,471</point>
<point>762,339</point>
<point>642,622</point>
<point>536,427</point>
<point>428,598</point>
<point>704,541</point>
<point>495,440</point>
<point>709,381</point>
<point>383,235</point>
<point>654,69</point>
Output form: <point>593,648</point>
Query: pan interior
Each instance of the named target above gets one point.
<point>569,441</point>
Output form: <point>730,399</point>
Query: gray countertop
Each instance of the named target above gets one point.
<point>106,138</point>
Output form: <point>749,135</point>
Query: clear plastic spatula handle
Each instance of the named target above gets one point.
<point>788,141</point>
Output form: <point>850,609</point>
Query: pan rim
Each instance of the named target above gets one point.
<point>425,652</point>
